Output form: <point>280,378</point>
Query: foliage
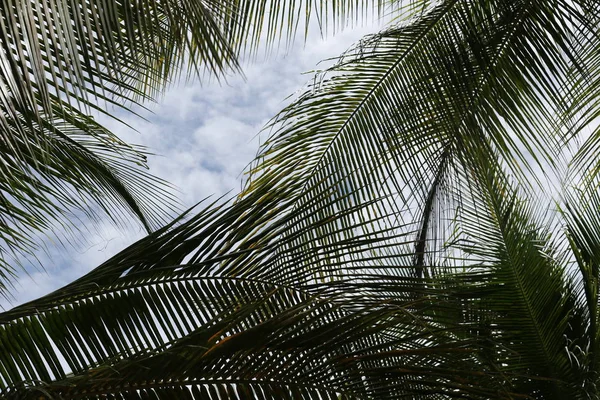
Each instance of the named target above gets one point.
<point>62,60</point>
<point>397,237</point>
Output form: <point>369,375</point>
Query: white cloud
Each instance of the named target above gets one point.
<point>203,137</point>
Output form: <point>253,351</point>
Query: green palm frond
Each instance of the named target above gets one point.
<point>81,163</point>
<point>265,343</point>
<point>580,212</point>
<point>522,292</point>
<point>389,243</point>
<point>144,310</point>
<point>61,60</point>
<point>395,117</point>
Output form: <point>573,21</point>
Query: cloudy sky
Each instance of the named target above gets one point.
<point>203,135</point>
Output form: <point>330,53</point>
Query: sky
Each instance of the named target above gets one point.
<point>203,135</point>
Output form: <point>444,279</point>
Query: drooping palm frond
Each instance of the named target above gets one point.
<point>397,119</point>
<point>272,346</point>
<point>80,164</point>
<point>518,289</point>
<point>145,324</point>
<point>401,119</point>
<point>61,60</point>
<point>386,246</point>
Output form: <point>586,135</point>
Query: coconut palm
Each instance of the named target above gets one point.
<point>64,60</point>
<point>422,223</point>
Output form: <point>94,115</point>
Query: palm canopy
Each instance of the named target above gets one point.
<point>391,241</point>
<point>62,60</point>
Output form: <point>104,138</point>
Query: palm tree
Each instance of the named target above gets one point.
<point>422,223</point>
<point>62,60</point>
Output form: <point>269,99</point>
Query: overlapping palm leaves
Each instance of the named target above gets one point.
<point>391,241</point>
<point>62,60</point>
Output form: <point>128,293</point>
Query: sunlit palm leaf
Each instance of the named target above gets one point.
<point>382,249</point>
<point>61,60</point>
<point>397,119</point>
<point>141,310</point>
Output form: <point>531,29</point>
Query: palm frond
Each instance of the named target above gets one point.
<point>61,60</point>
<point>144,309</point>
<point>392,119</point>
<point>580,213</point>
<point>382,247</point>
<point>521,293</point>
